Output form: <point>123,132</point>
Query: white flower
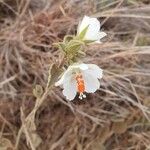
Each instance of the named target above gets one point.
<point>80,78</point>
<point>93,32</point>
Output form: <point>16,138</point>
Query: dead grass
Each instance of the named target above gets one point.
<point>117,116</point>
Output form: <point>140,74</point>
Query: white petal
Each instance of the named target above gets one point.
<point>70,89</point>
<point>60,81</point>
<point>83,66</point>
<point>65,75</point>
<point>94,70</point>
<point>93,30</point>
<point>99,42</point>
<point>101,35</point>
<point>91,83</point>
<point>79,66</point>
<point>69,72</point>
<point>84,23</point>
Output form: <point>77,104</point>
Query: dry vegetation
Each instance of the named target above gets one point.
<point>117,116</point>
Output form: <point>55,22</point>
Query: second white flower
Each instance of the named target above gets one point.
<point>80,78</point>
<point>93,32</point>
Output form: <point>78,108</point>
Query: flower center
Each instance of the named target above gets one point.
<point>80,86</point>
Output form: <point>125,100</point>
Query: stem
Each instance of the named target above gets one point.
<point>39,101</point>
<point>18,137</point>
<point>33,112</point>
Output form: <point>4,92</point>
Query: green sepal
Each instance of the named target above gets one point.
<point>82,34</point>
<point>68,38</point>
<point>73,45</point>
<point>89,41</point>
<point>60,45</point>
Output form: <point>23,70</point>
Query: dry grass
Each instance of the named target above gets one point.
<point>117,116</point>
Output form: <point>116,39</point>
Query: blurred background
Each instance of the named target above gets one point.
<point>117,116</point>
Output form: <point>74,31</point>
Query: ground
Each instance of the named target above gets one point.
<point>116,117</point>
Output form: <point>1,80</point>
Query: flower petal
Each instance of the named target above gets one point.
<point>93,30</point>
<point>65,75</point>
<point>60,81</point>
<point>79,66</point>
<point>83,66</point>
<point>69,72</point>
<point>94,70</point>
<point>91,83</point>
<point>101,35</point>
<point>83,24</point>
<point>70,89</point>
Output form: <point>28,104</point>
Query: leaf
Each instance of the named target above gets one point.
<point>54,73</point>
<point>38,91</point>
<point>60,45</point>
<point>89,41</point>
<point>36,140</point>
<point>81,53</point>
<point>67,38</point>
<point>5,144</point>
<point>73,44</point>
<point>29,129</point>
<point>82,34</point>
<point>119,127</point>
<point>73,48</point>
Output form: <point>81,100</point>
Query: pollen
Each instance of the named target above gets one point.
<point>80,86</point>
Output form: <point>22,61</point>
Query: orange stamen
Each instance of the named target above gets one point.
<point>80,83</point>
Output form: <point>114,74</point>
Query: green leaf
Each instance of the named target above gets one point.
<point>89,41</point>
<point>67,38</point>
<point>73,46</point>
<point>54,73</point>
<point>38,91</point>
<point>81,53</point>
<point>60,45</point>
<point>82,34</point>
